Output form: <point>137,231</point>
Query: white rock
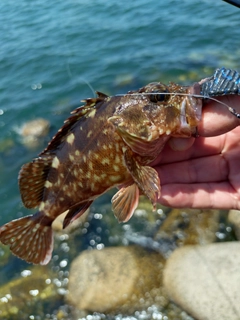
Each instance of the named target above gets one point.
<point>205,280</point>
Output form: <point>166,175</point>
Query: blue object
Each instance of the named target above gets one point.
<point>224,81</point>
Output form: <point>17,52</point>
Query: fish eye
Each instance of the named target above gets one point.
<point>159,96</point>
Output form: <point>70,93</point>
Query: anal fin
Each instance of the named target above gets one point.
<point>75,212</point>
<point>125,201</point>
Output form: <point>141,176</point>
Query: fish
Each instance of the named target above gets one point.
<point>107,143</point>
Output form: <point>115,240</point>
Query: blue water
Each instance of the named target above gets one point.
<point>52,55</point>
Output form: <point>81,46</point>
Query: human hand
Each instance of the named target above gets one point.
<point>204,172</point>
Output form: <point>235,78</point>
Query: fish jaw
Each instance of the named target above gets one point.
<point>190,114</point>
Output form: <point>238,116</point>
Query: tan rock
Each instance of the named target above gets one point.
<point>205,280</point>
<point>116,279</point>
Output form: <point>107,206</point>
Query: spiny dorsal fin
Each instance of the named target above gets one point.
<point>31,179</point>
<point>77,114</point>
<point>101,94</point>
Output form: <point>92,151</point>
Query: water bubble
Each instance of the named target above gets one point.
<point>36,86</point>
<point>57,283</point>
<point>160,212</point>
<point>62,291</point>
<point>65,247</point>
<point>34,293</point>
<point>63,237</point>
<point>100,246</point>
<point>26,273</point>
<point>4,300</point>
<point>99,229</point>
<point>98,216</point>
<point>55,257</point>
<point>92,242</point>
<point>84,231</point>
<point>229,229</point>
<point>63,263</point>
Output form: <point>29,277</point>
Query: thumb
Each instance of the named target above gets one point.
<point>181,144</point>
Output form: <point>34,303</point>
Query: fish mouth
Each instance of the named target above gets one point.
<point>190,112</point>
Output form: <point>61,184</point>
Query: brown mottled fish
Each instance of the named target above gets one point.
<point>107,143</point>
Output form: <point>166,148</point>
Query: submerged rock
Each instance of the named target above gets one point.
<point>21,297</point>
<point>6,145</point>
<point>205,280</point>
<point>33,131</point>
<point>190,226</point>
<point>5,254</point>
<point>234,218</point>
<point>116,279</point>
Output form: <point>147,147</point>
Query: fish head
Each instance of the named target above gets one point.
<point>176,110</point>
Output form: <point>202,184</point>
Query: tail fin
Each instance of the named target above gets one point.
<point>28,239</point>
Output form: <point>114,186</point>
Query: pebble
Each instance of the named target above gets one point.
<point>205,280</point>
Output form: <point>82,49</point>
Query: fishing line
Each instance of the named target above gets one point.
<point>232,110</point>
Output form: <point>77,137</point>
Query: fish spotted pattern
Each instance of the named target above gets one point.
<point>109,142</point>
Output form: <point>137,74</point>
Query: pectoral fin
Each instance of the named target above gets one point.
<point>125,201</point>
<point>137,131</point>
<point>145,177</point>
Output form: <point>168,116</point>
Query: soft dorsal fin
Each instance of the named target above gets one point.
<point>31,179</point>
<point>77,114</point>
